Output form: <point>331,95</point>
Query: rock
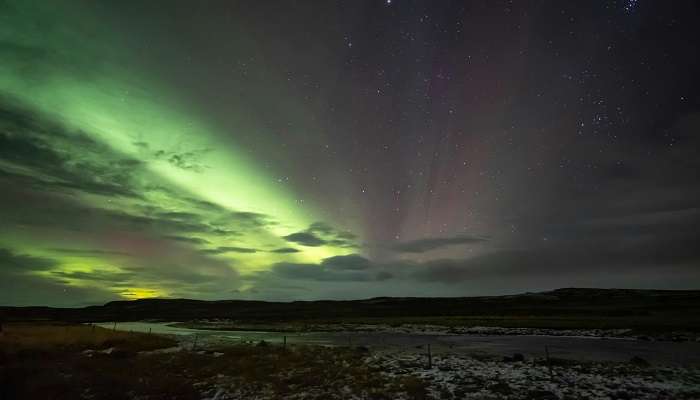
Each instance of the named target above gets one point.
<point>622,395</point>
<point>501,388</point>
<point>115,352</point>
<point>639,362</point>
<point>362,349</point>
<point>517,357</point>
<point>541,395</point>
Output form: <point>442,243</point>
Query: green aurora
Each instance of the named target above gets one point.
<point>131,153</point>
<point>276,150</point>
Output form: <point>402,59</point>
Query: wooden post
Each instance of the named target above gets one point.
<point>194,345</point>
<point>284,342</point>
<point>114,328</point>
<point>549,362</point>
<point>430,358</point>
<point>149,330</point>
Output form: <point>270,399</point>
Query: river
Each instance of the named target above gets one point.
<point>569,347</point>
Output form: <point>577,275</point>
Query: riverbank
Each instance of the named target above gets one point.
<point>449,327</point>
<point>578,347</point>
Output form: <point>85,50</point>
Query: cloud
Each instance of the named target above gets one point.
<point>186,239</point>
<point>383,276</point>
<point>321,234</point>
<point>28,290</point>
<point>321,228</point>
<point>349,268</point>
<point>39,152</point>
<point>428,244</point>
<point>285,250</point>
<point>97,275</point>
<point>20,263</point>
<point>316,272</point>
<point>252,218</point>
<point>20,286</point>
<point>643,249</point>
<point>188,161</point>
<point>229,249</point>
<point>349,262</point>
<point>305,239</point>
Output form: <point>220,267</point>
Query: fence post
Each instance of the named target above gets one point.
<point>549,362</point>
<point>194,345</point>
<point>430,358</point>
<point>114,328</point>
<point>149,330</point>
<point>284,342</point>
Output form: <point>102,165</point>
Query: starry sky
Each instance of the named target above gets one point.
<point>282,150</point>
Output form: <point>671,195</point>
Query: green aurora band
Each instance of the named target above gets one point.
<point>66,68</point>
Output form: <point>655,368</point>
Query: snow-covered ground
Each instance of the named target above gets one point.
<point>432,329</point>
<point>465,377</point>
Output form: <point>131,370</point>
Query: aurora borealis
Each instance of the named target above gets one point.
<point>345,149</point>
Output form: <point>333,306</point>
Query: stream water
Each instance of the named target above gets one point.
<point>569,347</point>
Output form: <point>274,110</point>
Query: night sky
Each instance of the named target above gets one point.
<point>284,150</point>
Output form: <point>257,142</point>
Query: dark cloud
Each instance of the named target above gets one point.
<point>39,152</point>
<point>320,234</point>
<point>188,161</point>
<point>186,239</point>
<point>305,239</point>
<point>348,262</point>
<point>384,275</point>
<point>428,244</point>
<point>20,286</point>
<point>29,290</point>
<point>97,275</point>
<point>253,219</point>
<point>185,160</point>
<point>285,250</point>
<point>321,228</point>
<point>20,263</point>
<point>349,268</point>
<point>180,215</point>
<point>636,247</point>
<point>88,252</point>
<point>229,249</point>
<point>314,272</point>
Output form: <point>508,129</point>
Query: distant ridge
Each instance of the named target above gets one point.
<point>670,307</point>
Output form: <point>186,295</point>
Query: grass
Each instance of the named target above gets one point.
<point>50,337</point>
<point>50,362</point>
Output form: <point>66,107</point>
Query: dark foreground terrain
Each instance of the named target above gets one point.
<point>51,361</point>
<point>60,361</point>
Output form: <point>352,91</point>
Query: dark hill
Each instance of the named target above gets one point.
<point>661,305</point>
